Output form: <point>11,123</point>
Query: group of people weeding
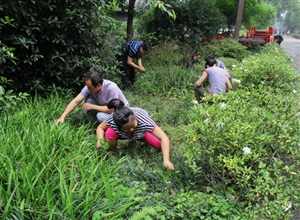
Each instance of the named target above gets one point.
<point>105,101</point>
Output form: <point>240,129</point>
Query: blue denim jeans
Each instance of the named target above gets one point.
<point>94,114</point>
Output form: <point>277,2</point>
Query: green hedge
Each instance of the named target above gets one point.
<point>246,144</point>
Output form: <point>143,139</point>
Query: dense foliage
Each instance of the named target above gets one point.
<point>193,24</point>
<point>252,43</point>
<point>8,98</point>
<point>235,156</point>
<point>258,13</point>
<point>55,42</point>
<point>287,14</point>
<point>55,172</point>
<point>246,144</point>
<point>292,20</point>
<point>225,48</point>
<point>263,16</point>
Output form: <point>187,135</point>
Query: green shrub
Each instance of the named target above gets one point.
<point>192,25</point>
<point>246,144</point>
<point>252,43</point>
<point>271,68</point>
<point>225,48</point>
<point>56,42</point>
<point>8,98</point>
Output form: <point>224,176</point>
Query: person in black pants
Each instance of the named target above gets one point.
<point>128,52</point>
<point>278,38</point>
<point>190,61</point>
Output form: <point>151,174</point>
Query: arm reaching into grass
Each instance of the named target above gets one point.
<point>201,79</point>
<point>70,107</point>
<point>165,147</point>
<point>112,144</point>
<point>100,133</point>
<point>228,84</point>
<point>139,66</point>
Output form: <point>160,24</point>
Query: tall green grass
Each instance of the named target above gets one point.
<point>52,171</point>
<point>55,172</point>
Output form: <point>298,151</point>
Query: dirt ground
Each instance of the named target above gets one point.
<point>292,48</point>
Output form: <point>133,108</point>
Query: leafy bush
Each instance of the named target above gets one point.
<point>271,68</point>
<point>8,98</point>
<point>56,42</point>
<point>192,24</point>
<point>246,144</point>
<point>225,48</point>
<point>6,53</point>
<point>252,43</point>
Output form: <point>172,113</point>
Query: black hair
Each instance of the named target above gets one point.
<point>211,62</point>
<point>195,53</point>
<point>122,114</point>
<point>146,46</point>
<point>114,103</point>
<point>95,77</point>
<point>207,58</point>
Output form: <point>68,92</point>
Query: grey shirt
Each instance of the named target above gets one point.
<point>217,79</point>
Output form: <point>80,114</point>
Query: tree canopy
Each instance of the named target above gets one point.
<point>256,12</point>
<point>195,21</point>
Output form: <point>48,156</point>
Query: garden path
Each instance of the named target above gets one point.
<point>291,46</point>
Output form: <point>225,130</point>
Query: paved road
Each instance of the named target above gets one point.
<point>292,47</point>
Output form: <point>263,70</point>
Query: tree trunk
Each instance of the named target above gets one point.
<point>239,18</point>
<point>130,19</point>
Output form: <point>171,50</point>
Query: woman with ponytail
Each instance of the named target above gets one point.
<point>132,123</point>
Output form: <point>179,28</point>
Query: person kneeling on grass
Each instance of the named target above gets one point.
<point>132,123</point>
<point>219,64</point>
<point>218,80</point>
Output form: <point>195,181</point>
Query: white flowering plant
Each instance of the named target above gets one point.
<point>269,68</point>
<point>250,149</point>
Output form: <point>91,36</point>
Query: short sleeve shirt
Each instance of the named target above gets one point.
<point>108,92</point>
<point>134,49</point>
<point>217,79</point>
<point>144,124</point>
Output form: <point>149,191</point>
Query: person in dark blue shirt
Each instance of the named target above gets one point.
<point>128,52</point>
